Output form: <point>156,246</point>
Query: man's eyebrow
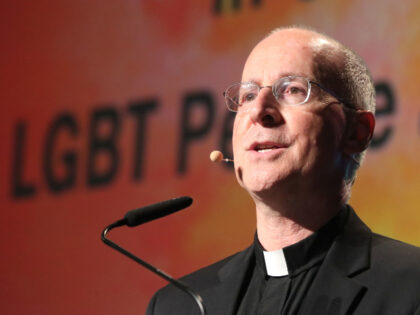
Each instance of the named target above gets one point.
<point>251,81</point>
<point>278,76</point>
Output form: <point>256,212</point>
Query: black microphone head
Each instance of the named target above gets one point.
<point>156,211</point>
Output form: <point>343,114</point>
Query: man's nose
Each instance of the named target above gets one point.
<point>266,110</point>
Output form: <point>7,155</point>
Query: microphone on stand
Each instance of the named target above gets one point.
<point>145,214</point>
<point>217,156</point>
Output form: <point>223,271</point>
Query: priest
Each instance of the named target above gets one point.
<point>304,119</point>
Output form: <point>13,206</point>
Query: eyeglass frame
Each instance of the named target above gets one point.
<point>332,93</point>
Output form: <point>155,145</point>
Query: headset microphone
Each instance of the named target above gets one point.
<point>217,156</point>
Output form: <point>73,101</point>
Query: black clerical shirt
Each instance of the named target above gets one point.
<point>267,295</point>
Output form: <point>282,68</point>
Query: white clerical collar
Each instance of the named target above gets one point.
<point>275,263</point>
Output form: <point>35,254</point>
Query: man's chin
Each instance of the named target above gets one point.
<point>263,180</point>
<point>258,187</point>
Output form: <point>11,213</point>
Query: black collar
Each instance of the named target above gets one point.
<point>309,251</point>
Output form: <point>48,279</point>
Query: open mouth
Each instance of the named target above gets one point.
<point>266,147</point>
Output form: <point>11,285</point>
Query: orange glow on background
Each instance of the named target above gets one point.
<point>131,68</point>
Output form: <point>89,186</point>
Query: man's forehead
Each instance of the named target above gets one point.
<point>280,54</point>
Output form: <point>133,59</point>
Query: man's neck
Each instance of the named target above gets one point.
<point>288,222</point>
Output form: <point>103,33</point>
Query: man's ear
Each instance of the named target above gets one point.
<point>360,126</point>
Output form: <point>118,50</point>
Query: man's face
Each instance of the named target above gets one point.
<point>275,145</point>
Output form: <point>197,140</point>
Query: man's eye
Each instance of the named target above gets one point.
<point>293,90</point>
<point>247,97</point>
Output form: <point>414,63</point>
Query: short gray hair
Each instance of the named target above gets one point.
<point>341,70</point>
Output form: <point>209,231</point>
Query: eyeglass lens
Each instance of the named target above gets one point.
<point>286,90</point>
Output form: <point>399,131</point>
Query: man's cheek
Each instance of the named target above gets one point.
<point>239,176</point>
<point>235,144</point>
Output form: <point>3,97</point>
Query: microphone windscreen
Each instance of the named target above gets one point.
<point>216,156</point>
<point>156,211</point>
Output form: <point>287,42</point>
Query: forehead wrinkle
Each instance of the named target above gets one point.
<point>267,74</point>
<point>294,55</point>
<point>274,78</point>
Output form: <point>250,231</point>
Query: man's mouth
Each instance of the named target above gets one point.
<point>265,147</point>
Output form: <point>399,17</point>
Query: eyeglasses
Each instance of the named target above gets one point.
<point>288,91</point>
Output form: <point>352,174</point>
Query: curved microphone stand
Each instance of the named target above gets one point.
<point>144,215</point>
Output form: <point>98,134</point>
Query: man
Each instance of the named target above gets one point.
<point>304,119</point>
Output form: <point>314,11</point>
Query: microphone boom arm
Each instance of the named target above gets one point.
<point>179,284</point>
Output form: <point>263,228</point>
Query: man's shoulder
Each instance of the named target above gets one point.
<point>394,254</point>
<point>394,267</point>
<point>385,254</point>
<point>210,274</point>
<point>171,297</point>
<point>391,279</point>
